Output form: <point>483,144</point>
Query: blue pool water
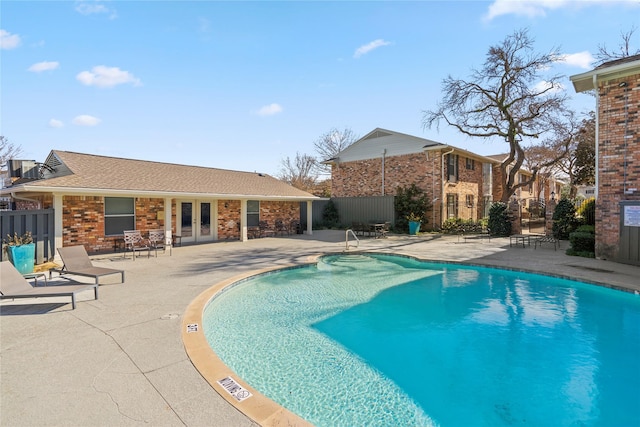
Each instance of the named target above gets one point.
<point>382,340</point>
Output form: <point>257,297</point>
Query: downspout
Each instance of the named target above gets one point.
<point>442,193</point>
<point>384,152</point>
<point>597,179</point>
<point>13,195</point>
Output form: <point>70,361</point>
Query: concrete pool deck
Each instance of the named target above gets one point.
<point>120,360</point>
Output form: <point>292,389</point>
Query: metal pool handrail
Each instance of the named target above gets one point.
<point>346,239</point>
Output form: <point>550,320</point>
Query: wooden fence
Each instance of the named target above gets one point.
<point>38,222</point>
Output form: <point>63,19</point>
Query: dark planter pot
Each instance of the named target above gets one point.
<point>22,257</point>
<point>414,227</point>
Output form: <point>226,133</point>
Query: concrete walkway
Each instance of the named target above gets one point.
<point>120,360</point>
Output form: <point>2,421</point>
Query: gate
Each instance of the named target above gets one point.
<point>629,250</point>
<point>39,222</point>
<point>532,215</point>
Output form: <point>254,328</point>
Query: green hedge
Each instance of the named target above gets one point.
<point>582,244</point>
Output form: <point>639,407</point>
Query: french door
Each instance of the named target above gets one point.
<point>195,221</point>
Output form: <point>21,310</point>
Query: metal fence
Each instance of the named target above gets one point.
<point>353,209</point>
<point>38,222</point>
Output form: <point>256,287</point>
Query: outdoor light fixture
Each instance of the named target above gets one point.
<point>553,196</point>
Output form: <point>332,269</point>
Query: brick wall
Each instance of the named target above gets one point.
<point>83,221</point>
<point>364,178</point>
<point>613,118</point>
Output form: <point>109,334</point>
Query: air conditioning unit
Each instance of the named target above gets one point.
<point>26,169</point>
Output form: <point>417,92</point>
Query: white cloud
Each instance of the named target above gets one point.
<point>530,8</point>
<point>582,59</point>
<point>103,76</point>
<point>8,40</point>
<point>92,8</point>
<point>55,123</point>
<point>270,110</point>
<point>44,66</point>
<point>85,120</point>
<point>364,49</point>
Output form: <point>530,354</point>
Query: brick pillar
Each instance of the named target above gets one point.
<point>514,210</point>
<point>548,217</point>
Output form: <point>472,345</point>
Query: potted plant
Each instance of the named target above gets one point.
<point>414,223</point>
<point>21,251</point>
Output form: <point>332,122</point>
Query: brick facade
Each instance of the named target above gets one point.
<point>83,218</point>
<point>618,157</point>
<point>366,178</point>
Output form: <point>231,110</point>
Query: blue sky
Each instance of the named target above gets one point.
<point>242,85</point>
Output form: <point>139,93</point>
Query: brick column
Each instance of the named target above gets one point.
<point>548,217</point>
<point>514,210</point>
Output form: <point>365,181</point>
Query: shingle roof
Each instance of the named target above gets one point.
<point>104,174</point>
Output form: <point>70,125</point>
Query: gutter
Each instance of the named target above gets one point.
<point>37,202</point>
<point>145,193</point>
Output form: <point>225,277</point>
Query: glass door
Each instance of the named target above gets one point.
<point>195,221</point>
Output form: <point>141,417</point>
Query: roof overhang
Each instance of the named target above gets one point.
<point>467,153</point>
<point>33,190</point>
<point>590,80</point>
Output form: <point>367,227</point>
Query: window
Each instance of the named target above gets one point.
<point>470,200</point>
<point>471,164</point>
<point>253,213</point>
<point>119,215</point>
<point>452,206</point>
<point>452,167</point>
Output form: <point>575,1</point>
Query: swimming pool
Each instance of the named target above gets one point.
<point>387,340</point>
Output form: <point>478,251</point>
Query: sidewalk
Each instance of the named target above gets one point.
<point>120,360</point>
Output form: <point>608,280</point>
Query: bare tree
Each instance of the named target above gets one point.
<point>299,172</point>
<point>567,154</point>
<point>504,99</point>
<point>7,151</point>
<point>329,144</point>
<point>624,49</point>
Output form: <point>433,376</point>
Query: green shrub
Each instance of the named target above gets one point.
<point>410,201</point>
<point>564,219</point>
<point>499,219</point>
<point>587,212</point>
<point>330,215</point>
<point>586,229</point>
<point>452,225</point>
<point>582,241</point>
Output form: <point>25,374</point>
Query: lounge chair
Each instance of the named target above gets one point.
<point>14,285</point>
<point>76,261</point>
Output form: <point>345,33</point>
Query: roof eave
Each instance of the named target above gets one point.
<point>589,80</point>
<point>25,188</point>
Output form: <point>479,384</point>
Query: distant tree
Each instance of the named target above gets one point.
<point>7,151</point>
<point>504,100</point>
<point>624,49</point>
<point>299,172</point>
<point>585,154</point>
<point>560,156</point>
<point>329,144</point>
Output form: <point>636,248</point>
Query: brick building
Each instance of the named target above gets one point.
<point>617,88</point>
<point>95,198</point>
<point>461,184</point>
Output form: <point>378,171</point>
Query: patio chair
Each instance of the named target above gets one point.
<point>157,241</point>
<point>295,227</point>
<point>265,229</point>
<point>134,242</point>
<point>76,261</point>
<point>281,228</point>
<point>13,285</point>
